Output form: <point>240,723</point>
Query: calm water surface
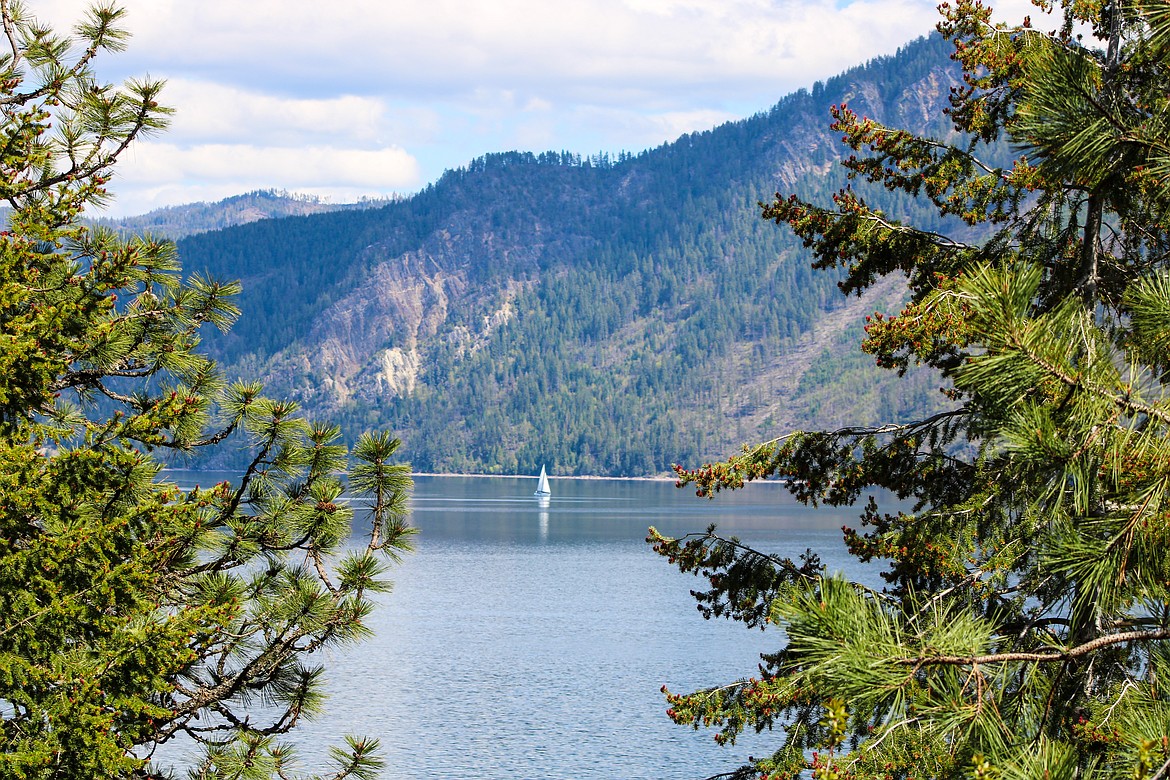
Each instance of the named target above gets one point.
<point>523,641</point>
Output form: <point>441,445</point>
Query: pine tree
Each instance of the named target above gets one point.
<point>1022,628</point>
<point>133,613</point>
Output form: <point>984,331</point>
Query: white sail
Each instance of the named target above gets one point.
<point>542,486</point>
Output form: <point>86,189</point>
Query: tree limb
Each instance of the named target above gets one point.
<point>1072,653</point>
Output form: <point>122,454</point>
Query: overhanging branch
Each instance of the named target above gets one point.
<point>1053,657</point>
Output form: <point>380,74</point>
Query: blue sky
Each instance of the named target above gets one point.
<point>355,98</point>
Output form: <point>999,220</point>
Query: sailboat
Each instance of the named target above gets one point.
<point>542,490</point>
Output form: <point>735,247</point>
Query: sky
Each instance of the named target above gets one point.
<point>371,98</point>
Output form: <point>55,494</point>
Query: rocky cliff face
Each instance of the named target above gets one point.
<point>374,341</point>
<point>400,303</point>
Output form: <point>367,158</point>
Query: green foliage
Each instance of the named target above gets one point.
<point>133,613</point>
<point>1023,628</point>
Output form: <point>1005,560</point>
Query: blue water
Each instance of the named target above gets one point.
<point>523,641</point>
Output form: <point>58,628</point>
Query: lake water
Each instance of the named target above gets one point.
<point>524,641</point>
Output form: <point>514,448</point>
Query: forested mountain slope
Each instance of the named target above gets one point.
<point>603,316</point>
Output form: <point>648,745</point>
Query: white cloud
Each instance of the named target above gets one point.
<point>390,168</point>
<point>450,47</point>
<point>211,111</point>
<point>297,94</point>
<point>440,48</point>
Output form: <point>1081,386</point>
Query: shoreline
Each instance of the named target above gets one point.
<point>550,476</point>
<point>581,477</point>
<point>662,478</point>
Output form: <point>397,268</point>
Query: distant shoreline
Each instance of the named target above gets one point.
<point>550,476</point>
<point>587,477</point>
<point>662,478</point>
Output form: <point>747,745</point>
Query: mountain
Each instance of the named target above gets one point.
<point>176,222</point>
<point>603,315</point>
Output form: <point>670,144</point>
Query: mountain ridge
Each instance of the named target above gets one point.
<point>605,315</point>
<point>180,221</point>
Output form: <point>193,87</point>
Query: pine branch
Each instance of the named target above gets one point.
<point>1123,402</point>
<point>1067,655</point>
<point>859,431</point>
<point>937,239</point>
<point>1162,771</point>
<point>10,32</point>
